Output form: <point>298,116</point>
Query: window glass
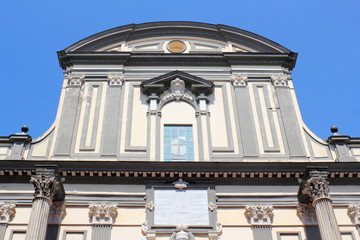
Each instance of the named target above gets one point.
<point>178,143</point>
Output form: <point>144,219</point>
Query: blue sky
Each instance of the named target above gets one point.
<point>325,34</point>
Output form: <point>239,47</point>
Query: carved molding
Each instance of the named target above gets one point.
<point>216,234</point>
<point>259,214</point>
<point>180,184</point>
<point>75,80</point>
<point>57,212</point>
<point>7,212</point>
<point>316,187</point>
<point>212,206</point>
<point>116,80</point>
<point>239,80</point>
<point>149,235</point>
<point>306,213</point>
<point>354,213</point>
<point>150,206</point>
<point>103,212</point>
<point>280,80</point>
<point>45,186</point>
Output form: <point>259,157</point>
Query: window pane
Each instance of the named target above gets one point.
<point>178,143</point>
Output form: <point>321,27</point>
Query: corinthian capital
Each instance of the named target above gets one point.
<point>103,212</point>
<point>239,80</point>
<point>116,79</point>
<point>75,80</point>
<point>7,212</point>
<point>280,80</point>
<point>316,187</point>
<point>259,214</point>
<point>306,213</point>
<point>46,186</point>
<point>354,213</point>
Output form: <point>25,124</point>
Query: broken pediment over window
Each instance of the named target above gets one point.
<point>177,85</point>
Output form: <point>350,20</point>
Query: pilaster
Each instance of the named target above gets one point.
<point>260,217</point>
<point>102,216</point>
<point>7,213</point>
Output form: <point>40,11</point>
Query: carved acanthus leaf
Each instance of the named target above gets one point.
<point>316,187</point>
<point>259,214</point>
<point>239,80</point>
<point>103,212</point>
<point>57,212</point>
<point>75,80</point>
<point>45,186</point>
<point>116,79</point>
<point>180,184</point>
<point>7,212</point>
<point>280,80</point>
<point>354,212</point>
<point>306,213</point>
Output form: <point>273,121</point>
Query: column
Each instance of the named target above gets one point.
<point>7,213</point>
<point>315,189</point>
<point>102,216</point>
<point>260,217</point>
<point>47,188</point>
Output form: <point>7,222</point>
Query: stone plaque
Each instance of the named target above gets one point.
<point>187,207</point>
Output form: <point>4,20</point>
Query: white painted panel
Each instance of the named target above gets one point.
<point>39,149</point>
<point>288,236</point>
<point>217,119</point>
<point>18,235</point>
<point>138,119</point>
<point>356,151</point>
<point>74,236</point>
<point>4,150</point>
<point>346,236</point>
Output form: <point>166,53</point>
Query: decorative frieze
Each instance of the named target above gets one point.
<point>57,212</point>
<point>75,80</point>
<point>45,186</point>
<point>354,213</point>
<point>7,212</point>
<point>316,187</point>
<point>259,214</point>
<point>239,80</point>
<point>306,213</point>
<point>116,80</point>
<point>280,80</point>
<point>103,212</point>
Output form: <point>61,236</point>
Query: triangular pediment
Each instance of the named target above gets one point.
<point>193,83</point>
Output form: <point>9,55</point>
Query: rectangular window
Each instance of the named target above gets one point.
<point>178,143</point>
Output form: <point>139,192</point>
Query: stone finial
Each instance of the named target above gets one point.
<point>180,184</point>
<point>57,212</point>
<point>103,212</point>
<point>334,130</point>
<point>45,186</point>
<point>306,213</point>
<point>354,213</point>
<point>239,80</point>
<point>316,187</point>
<point>75,80</point>
<point>116,79</point>
<point>7,212</point>
<point>280,80</point>
<point>259,214</point>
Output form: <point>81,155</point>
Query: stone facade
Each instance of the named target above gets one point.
<point>182,131</point>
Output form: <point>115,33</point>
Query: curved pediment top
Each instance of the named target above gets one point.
<point>197,37</point>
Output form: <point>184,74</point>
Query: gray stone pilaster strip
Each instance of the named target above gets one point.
<point>52,232</point>
<point>38,219</point>
<point>3,227</point>
<point>262,232</point>
<point>312,232</point>
<point>101,232</point>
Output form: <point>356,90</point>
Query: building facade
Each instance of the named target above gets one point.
<point>178,130</point>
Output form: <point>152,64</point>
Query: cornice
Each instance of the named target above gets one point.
<point>286,60</point>
<point>192,172</point>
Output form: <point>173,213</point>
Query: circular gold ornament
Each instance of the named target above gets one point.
<point>176,46</point>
